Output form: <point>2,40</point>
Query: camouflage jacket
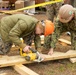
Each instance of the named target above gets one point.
<point>63,27</point>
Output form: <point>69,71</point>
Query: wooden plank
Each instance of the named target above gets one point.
<point>64,42</point>
<point>3,73</point>
<point>14,60</point>
<point>61,40</point>
<point>23,70</point>
<point>72,60</point>
<point>56,55</point>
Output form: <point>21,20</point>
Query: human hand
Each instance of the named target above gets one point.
<point>26,49</point>
<point>50,51</point>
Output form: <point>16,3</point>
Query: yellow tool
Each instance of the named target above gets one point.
<point>33,55</point>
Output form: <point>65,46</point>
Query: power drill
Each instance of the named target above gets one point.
<point>33,55</point>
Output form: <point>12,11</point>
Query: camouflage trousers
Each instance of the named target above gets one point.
<point>52,10</point>
<point>71,2</point>
<point>74,3</point>
<point>4,47</point>
<point>46,46</point>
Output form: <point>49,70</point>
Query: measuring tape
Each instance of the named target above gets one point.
<point>33,6</point>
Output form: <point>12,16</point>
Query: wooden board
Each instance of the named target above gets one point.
<point>64,42</point>
<point>23,70</point>
<point>3,73</point>
<point>73,60</point>
<point>61,40</point>
<point>14,60</point>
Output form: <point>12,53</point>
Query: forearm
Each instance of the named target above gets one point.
<point>16,40</point>
<point>54,40</point>
<point>37,42</point>
<point>57,32</point>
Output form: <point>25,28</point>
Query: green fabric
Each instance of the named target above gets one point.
<point>63,27</point>
<point>13,27</point>
<point>52,10</point>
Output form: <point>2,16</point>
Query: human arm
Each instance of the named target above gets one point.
<point>55,35</point>
<point>37,41</point>
<point>16,32</point>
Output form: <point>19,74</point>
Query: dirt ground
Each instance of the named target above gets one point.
<point>56,67</point>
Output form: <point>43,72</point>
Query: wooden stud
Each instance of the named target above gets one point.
<point>64,42</point>
<point>72,60</point>
<point>14,60</point>
<point>23,70</point>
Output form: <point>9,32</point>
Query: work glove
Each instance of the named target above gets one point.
<point>26,49</point>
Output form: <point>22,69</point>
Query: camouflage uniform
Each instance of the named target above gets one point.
<point>63,27</point>
<point>52,11</point>
<point>4,47</point>
<point>71,2</point>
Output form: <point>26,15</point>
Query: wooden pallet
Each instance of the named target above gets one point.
<point>17,61</point>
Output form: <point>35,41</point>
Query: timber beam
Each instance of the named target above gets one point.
<point>14,60</point>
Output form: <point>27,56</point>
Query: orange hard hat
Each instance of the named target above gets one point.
<point>49,27</point>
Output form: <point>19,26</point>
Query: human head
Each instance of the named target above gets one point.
<point>66,13</point>
<point>46,27</point>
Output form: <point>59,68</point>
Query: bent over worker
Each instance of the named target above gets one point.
<point>51,12</point>
<point>66,21</point>
<point>17,26</point>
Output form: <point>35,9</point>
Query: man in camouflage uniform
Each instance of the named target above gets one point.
<point>66,21</point>
<point>52,11</point>
<point>71,2</point>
